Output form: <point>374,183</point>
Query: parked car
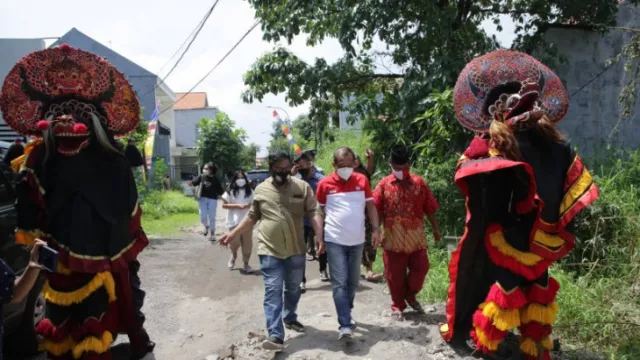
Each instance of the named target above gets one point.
<point>257,176</point>
<point>19,319</point>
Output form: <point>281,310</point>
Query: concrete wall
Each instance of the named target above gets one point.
<point>186,122</point>
<point>11,51</point>
<point>594,118</point>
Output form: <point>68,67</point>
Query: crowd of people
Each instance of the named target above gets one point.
<point>76,193</point>
<point>335,219</point>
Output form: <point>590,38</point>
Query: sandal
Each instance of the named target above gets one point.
<point>374,278</point>
<point>397,315</point>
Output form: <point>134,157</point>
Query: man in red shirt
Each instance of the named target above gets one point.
<point>402,200</point>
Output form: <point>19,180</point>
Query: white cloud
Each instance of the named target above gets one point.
<point>149,32</point>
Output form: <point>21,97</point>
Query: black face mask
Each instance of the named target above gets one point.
<point>304,172</point>
<point>280,177</point>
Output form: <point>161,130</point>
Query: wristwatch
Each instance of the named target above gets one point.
<point>376,229</point>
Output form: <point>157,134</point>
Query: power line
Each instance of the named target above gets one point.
<point>197,32</point>
<point>183,44</point>
<point>191,42</point>
<point>214,67</point>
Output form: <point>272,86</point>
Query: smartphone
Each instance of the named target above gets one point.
<point>48,258</point>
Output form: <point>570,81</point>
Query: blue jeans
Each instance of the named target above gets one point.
<point>344,268</point>
<point>208,209</point>
<point>282,278</point>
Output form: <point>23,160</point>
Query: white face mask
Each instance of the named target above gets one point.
<point>398,174</point>
<point>205,172</point>
<point>241,182</point>
<point>345,172</point>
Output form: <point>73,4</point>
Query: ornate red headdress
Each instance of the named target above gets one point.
<point>511,86</point>
<point>66,81</point>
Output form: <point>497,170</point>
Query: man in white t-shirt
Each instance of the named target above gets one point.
<point>237,200</point>
<point>343,196</point>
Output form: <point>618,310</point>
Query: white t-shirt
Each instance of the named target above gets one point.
<point>235,216</point>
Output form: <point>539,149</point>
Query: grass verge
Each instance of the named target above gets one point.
<point>169,225</point>
<point>164,213</point>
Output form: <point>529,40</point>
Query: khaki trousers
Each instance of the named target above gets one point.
<point>245,242</point>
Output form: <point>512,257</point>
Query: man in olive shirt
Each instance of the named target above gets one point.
<point>280,203</point>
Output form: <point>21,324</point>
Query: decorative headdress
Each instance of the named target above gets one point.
<point>508,86</point>
<point>66,81</point>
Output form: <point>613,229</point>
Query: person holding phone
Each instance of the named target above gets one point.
<point>237,200</point>
<point>14,290</point>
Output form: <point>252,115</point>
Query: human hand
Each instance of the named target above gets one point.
<point>437,235</point>
<point>190,183</point>
<point>294,170</point>
<point>319,246</point>
<point>35,254</point>
<point>246,206</point>
<point>369,154</point>
<point>376,239</point>
<point>225,239</point>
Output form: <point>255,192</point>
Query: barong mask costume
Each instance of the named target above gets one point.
<point>76,191</point>
<point>518,207</point>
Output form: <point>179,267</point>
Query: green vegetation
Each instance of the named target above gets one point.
<point>164,213</point>
<point>170,225</point>
<point>220,142</point>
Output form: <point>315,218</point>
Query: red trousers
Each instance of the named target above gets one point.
<point>405,273</point>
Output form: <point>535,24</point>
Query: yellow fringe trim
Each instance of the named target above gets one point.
<point>482,337</point>
<point>503,319</point>
<point>529,347</point>
<point>89,344</point>
<point>77,296</point>
<point>57,349</point>
<point>93,344</point>
<point>61,269</point>
<point>28,237</point>
<point>497,239</point>
<point>578,188</point>
<point>543,314</point>
<point>18,163</point>
<point>548,240</point>
<point>547,343</point>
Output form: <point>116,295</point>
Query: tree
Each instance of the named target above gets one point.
<point>279,141</point>
<point>221,143</point>
<point>249,156</point>
<point>427,45</point>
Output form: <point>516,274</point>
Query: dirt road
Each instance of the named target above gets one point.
<point>197,309</point>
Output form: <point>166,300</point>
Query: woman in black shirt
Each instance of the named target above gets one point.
<point>208,190</point>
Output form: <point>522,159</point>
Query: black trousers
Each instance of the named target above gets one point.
<point>309,237</point>
<point>137,295</point>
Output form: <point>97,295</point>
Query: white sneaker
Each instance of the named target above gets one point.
<point>232,262</point>
<point>345,333</point>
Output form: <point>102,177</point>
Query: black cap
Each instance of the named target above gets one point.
<point>399,155</point>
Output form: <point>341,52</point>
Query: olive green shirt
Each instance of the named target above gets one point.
<point>280,210</point>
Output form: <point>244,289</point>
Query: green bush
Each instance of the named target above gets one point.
<point>158,204</point>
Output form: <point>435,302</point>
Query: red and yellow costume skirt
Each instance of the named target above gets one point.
<point>81,315</point>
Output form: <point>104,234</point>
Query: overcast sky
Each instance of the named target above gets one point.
<point>149,32</point>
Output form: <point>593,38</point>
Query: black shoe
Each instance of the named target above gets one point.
<point>137,354</point>
<point>295,326</point>
<point>273,344</point>
<point>303,288</point>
